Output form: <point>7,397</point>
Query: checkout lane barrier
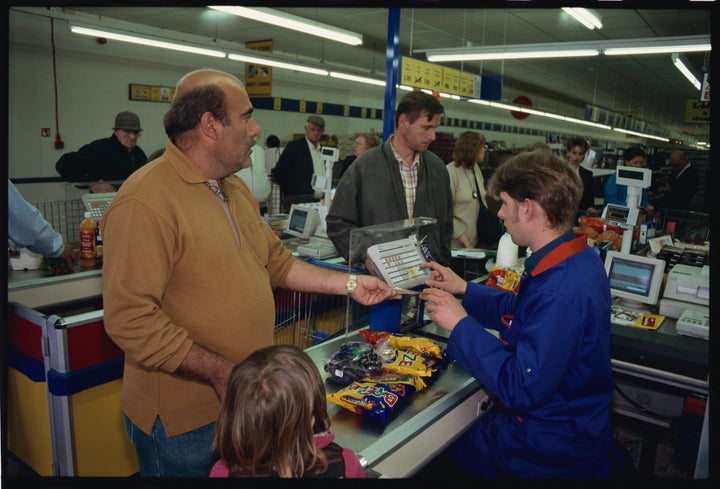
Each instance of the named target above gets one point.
<point>65,217</point>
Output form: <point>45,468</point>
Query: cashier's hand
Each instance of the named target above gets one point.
<point>443,307</point>
<point>68,254</point>
<point>444,278</point>
<point>371,290</point>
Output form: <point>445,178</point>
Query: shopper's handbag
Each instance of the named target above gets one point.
<point>489,227</point>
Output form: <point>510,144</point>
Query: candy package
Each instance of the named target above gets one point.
<point>410,363</point>
<point>354,360</point>
<point>423,346</point>
<point>378,396</point>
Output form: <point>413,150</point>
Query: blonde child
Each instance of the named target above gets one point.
<point>273,421</point>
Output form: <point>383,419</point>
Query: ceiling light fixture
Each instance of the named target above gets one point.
<point>640,134</point>
<point>661,45</point>
<point>277,64</point>
<point>517,51</point>
<point>587,17</point>
<point>684,68</point>
<point>289,21</point>
<point>145,41</point>
<point>361,79</point>
<point>653,45</point>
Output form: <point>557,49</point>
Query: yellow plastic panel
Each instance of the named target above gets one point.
<point>102,445</point>
<point>28,422</point>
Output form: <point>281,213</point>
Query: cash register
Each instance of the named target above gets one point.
<point>687,298</point>
<point>306,221</point>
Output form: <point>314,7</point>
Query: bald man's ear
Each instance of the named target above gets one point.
<point>209,125</point>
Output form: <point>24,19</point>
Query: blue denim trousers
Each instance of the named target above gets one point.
<point>185,455</point>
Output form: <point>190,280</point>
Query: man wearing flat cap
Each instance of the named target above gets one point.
<point>297,163</point>
<point>106,160</point>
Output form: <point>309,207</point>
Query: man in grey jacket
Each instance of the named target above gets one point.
<point>398,180</point>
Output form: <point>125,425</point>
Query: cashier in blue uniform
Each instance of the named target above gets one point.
<point>549,366</point>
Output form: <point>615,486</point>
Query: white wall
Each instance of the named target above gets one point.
<point>92,86</point>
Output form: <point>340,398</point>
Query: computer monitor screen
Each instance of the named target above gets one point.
<point>302,221</point>
<point>636,280</point>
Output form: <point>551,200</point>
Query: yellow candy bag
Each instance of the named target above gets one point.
<point>423,346</point>
<point>377,396</point>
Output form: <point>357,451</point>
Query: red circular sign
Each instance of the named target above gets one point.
<point>521,100</point>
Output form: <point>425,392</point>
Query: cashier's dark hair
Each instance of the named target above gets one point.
<point>544,178</point>
<point>266,416</point>
<point>185,111</point>
<point>414,104</point>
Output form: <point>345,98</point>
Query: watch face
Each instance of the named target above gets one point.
<point>351,285</point>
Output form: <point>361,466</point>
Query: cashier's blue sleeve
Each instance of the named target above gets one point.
<point>28,228</point>
<point>525,364</point>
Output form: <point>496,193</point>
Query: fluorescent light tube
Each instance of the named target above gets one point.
<point>289,21</point>
<point>277,64</point>
<point>657,50</point>
<point>557,53</point>
<point>586,17</point>
<point>118,36</point>
<point>651,45</point>
<point>641,134</point>
<point>685,70</point>
<point>361,79</point>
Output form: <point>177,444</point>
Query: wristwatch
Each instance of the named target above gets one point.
<point>351,284</point>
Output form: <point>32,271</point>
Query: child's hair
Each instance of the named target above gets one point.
<point>274,404</point>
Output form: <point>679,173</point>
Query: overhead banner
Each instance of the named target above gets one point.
<point>258,78</point>
<point>697,112</point>
<point>421,74</point>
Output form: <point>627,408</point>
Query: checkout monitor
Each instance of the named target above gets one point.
<point>635,279</point>
<point>302,221</point>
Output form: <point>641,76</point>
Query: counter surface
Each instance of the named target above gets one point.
<point>374,441</point>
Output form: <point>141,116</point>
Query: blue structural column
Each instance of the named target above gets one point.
<point>392,70</point>
<point>386,315</point>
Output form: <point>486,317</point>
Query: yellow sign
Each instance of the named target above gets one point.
<point>421,74</point>
<point>451,80</point>
<point>258,77</point>
<point>697,112</point>
<point>467,84</point>
<point>151,93</point>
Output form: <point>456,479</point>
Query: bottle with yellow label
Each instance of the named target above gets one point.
<point>87,242</point>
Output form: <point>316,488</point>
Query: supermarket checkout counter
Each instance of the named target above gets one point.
<point>63,370</point>
<point>65,374</point>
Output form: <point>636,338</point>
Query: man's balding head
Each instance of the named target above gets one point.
<point>198,92</point>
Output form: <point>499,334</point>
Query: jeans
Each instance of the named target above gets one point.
<point>185,455</point>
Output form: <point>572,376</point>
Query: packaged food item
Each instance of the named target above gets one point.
<point>54,266</point>
<point>374,337</point>
<point>503,279</point>
<point>377,397</point>
<point>410,363</point>
<point>353,361</point>
<point>423,346</point>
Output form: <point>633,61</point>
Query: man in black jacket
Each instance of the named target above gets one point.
<point>681,186</point>
<point>297,163</point>
<point>576,150</point>
<point>112,158</point>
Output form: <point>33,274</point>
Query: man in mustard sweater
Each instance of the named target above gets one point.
<point>188,276</point>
